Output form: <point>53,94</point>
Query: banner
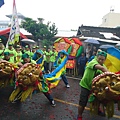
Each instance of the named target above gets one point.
<point>63,44</point>
<point>14,31</point>
<point>70,64</point>
<point>112,61</point>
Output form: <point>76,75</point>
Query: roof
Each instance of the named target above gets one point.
<point>18,14</point>
<point>22,30</point>
<point>99,32</point>
<point>7,31</point>
<point>66,33</point>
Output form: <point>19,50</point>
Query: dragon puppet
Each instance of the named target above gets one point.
<point>7,73</point>
<point>106,91</point>
<point>28,79</point>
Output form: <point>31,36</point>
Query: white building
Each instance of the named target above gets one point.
<point>5,24</point>
<point>66,33</point>
<point>111,20</point>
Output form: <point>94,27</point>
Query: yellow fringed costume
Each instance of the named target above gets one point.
<point>29,78</point>
<point>7,71</point>
<point>106,89</point>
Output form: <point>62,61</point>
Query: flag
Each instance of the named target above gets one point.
<point>1,2</point>
<point>113,60</point>
<point>54,77</point>
<point>14,30</point>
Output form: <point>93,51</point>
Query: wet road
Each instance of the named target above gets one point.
<point>38,108</point>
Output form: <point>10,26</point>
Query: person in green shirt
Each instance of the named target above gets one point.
<point>44,55</point>
<point>95,67</point>
<point>38,57</point>
<point>53,58</point>
<point>37,48</point>
<point>12,51</point>
<point>33,51</point>
<point>26,59</point>
<point>1,49</point>
<point>18,54</point>
<point>27,50</point>
<point>7,57</point>
<point>63,76</point>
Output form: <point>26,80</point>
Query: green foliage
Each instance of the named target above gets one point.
<point>39,30</point>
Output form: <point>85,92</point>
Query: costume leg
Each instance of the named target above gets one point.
<point>48,95</point>
<point>50,98</point>
<point>64,79</point>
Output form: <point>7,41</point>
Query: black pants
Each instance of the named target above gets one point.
<point>49,97</point>
<point>84,96</point>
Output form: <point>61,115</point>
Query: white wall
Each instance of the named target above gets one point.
<point>111,20</point>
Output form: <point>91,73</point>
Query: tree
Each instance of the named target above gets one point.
<point>39,30</point>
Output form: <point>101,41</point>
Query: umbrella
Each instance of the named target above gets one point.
<point>93,41</point>
<point>106,46</point>
<point>28,41</point>
<point>118,44</point>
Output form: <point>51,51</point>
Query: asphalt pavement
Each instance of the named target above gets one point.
<point>39,108</point>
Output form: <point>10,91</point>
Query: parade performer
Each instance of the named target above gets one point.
<point>44,54</point>
<point>39,58</point>
<point>53,58</point>
<point>27,50</point>
<point>7,73</point>
<point>59,72</point>
<point>59,61</point>
<point>12,51</point>
<point>1,49</point>
<point>33,51</point>
<point>29,79</point>
<point>96,66</point>
<point>106,91</point>
<point>25,59</point>
<point>7,57</point>
<point>18,57</point>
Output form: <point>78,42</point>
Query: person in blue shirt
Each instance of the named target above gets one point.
<point>81,64</point>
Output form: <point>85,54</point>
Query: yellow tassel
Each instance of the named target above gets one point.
<point>26,93</point>
<point>94,106</point>
<point>14,94</point>
<point>40,86</point>
<point>110,109</point>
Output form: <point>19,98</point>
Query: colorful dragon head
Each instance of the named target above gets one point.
<point>28,74</point>
<point>6,69</point>
<point>106,86</point>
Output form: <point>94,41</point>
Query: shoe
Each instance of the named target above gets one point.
<point>68,86</point>
<point>53,103</point>
<point>79,118</point>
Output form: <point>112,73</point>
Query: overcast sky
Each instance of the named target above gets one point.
<point>66,14</point>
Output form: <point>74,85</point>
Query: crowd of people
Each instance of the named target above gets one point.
<point>86,57</point>
<point>20,56</point>
<point>93,57</point>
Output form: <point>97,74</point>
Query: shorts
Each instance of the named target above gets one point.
<point>84,96</point>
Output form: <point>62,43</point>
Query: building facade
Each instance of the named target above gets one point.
<point>111,20</point>
<point>4,24</point>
